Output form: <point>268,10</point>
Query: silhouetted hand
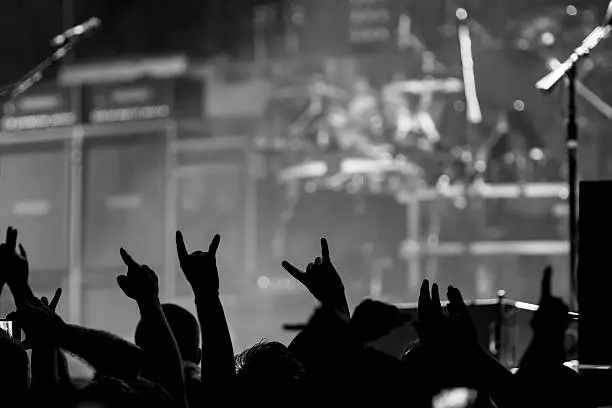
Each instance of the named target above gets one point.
<point>54,302</point>
<point>322,280</point>
<point>552,317</point>
<point>429,325</point>
<point>140,283</point>
<point>460,323</point>
<point>15,269</point>
<point>444,334</point>
<point>547,348</point>
<point>39,321</point>
<point>28,342</point>
<point>200,268</point>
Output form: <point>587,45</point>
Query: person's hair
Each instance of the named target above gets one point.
<point>269,362</point>
<point>185,329</point>
<point>107,391</point>
<point>115,393</point>
<point>14,368</point>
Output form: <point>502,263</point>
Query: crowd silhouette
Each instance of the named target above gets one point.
<point>182,361</point>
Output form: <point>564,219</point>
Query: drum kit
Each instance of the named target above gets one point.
<point>364,141</point>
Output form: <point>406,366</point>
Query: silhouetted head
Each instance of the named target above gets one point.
<point>373,319</point>
<point>268,362</point>
<point>106,392</point>
<point>109,392</point>
<point>185,328</point>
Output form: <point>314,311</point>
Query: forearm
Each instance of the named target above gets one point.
<point>217,349</point>
<point>63,374</point>
<point>106,353</point>
<point>341,307</point>
<point>22,293</point>
<point>168,370</point>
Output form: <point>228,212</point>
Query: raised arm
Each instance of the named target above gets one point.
<point>106,353</point>
<point>32,317</point>
<point>140,283</point>
<point>200,269</point>
<point>450,344</point>
<point>63,374</point>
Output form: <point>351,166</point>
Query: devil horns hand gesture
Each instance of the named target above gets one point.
<point>322,280</point>
<point>199,267</point>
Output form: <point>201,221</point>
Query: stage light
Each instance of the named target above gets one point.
<point>571,10</point>
<point>519,105</point>
<point>480,166</point>
<point>536,154</point>
<point>523,44</point>
<point>263,282</point>
<point>461,14</point>
<point>547,38</point>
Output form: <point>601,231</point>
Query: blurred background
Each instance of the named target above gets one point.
<point>274,123</point>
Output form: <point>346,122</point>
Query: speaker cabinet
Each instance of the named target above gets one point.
<point>595,273</point>
<point>34,199</point>
<point>123,200</point>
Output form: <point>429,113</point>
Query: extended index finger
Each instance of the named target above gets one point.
<point>325,249</point>
<point>127,259</point>
<point>546,283</point>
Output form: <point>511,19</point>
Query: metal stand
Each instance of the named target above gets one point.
<point>12,91</point>
<point>568,71</point>
<point>572,161</point>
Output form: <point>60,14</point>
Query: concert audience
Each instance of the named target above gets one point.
<point>182,361</point>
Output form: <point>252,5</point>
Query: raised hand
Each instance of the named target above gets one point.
<point>461,324</point>
<point>56,297</point>
<point>322,280</point>
<point>28,342</point>
<point>140,282</point>
<point>15,266</point>
<point>429,315</point>
<point>39,321</point>
<point>200,268</point>
<point>552,316</point>
<point>441,333</point>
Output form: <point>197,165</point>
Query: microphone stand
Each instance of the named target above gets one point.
<point>568,70</point>
<point>34,76</point>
